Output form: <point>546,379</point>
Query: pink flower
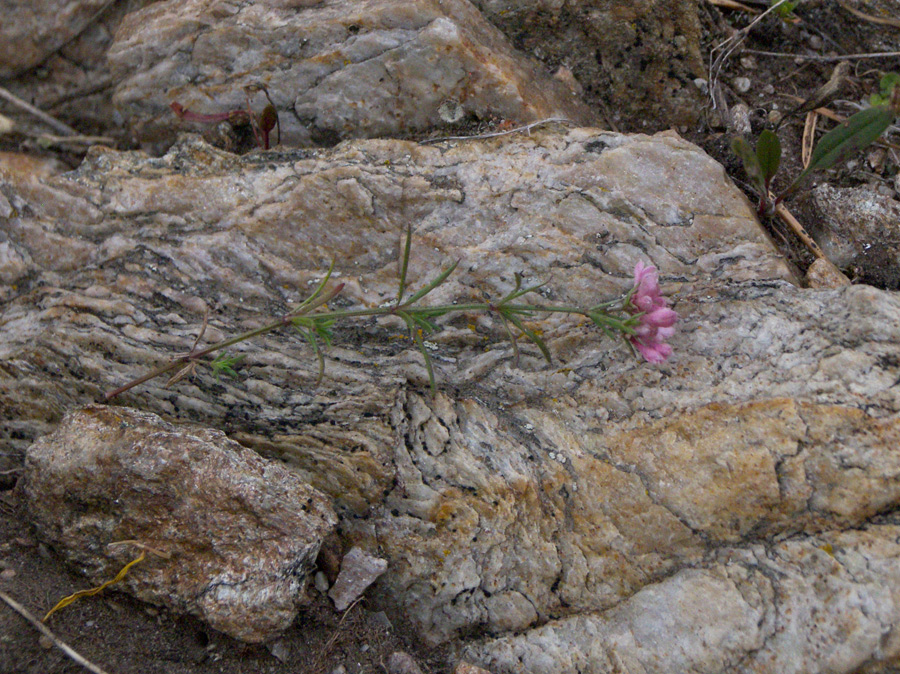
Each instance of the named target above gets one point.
<point>656,320</point>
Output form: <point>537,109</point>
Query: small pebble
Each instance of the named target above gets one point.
<point>468,668</point>
<point>320,580</point>
<point>701,84</point>
<point>740,120</point>
<point>748,62</point>
<point>742,84</point>
<point>45,642</point>
<point>280,650</point>
<point>451,111</point>
<point>8,574</point>
<point>816,42</point>
<point>402,663</point>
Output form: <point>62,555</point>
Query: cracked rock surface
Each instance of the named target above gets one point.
<point>334,70</point>
<point>32,31</point>
<point>593,514</point>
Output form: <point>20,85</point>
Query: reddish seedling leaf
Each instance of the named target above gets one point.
<point>190,116</point>
<point>268,118</point>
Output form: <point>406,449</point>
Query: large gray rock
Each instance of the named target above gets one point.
<point>231,537</point>
<point>32,30</point>
<point>519,499</point>
<point>821,604</point>
<point>73,81</point>
<point>334,69</point>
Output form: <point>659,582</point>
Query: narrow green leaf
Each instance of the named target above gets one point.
<point>752,168</point>
<point>417,338</point>
<point>512,340</point>
<point>438,280</point>
<point>322,327</point>
<point>518,291</point>
<point>310,336</point>
<point>857,133</point>
<point>423,322</point>
<point>404,263</point>
<point>768,154</point>
<point>319,288</point>
<point>225,363</point>
<point>530,334</point>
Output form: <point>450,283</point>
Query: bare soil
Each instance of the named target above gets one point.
<point>124,636</point>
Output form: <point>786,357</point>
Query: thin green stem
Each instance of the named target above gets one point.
<point>309,318</point>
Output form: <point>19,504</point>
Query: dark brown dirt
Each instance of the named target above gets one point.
<point>124,636</point>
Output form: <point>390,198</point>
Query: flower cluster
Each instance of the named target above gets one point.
<point>655,319</point>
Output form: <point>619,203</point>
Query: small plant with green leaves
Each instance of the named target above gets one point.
<point>785,10</point>
<point>761,162</point>
<point>641,316</point>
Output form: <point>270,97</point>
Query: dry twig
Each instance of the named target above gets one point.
<point>825,59</point>
<point>726,49</point>
<point>884,21</point>
<point>809,137</point>
<point>526,127</point>
<point>732,4</point>
<point>43,629</point>
<point>787,218</point>
<point>64,129</point>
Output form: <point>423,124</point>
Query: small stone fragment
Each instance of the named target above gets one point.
<point>742,84</point>
<point>468,668</point>
<point>401,662</point>
<point>7,574</point>
<point>824,274</point>
<point>280,650</point>
<point>359,569</point>
<point>321,582</point>
<point>451,111</point>
<point>739,121</point>
<point>381,620</point>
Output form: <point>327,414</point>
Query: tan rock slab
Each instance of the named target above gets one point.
<point>228,537</point>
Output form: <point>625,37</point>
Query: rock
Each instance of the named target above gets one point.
<point>468,668</point>
<point>335,69</point>
<point>857,227</point>
<point>739,120</point>
<point>321,582</point>
<point>73,83</point>
<point>31,31</point>
<point>596,496</point>
<point>402,663</point>
<point>636,59</point>
<point>824,274</point>
<point>280,649</point>
<point>229,535</point>
<point>742,84</point>
<point>797,606</point>
<point>359,570</point>
<point>284,215</point>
